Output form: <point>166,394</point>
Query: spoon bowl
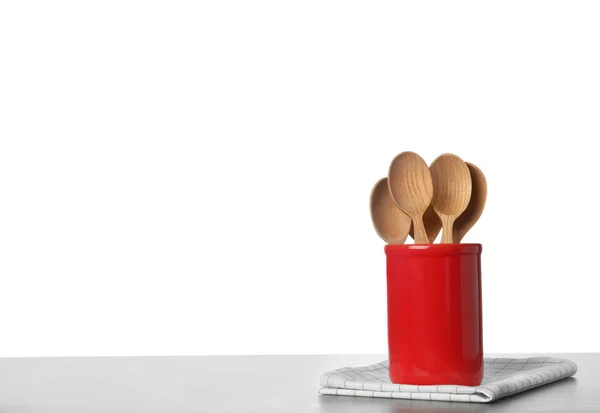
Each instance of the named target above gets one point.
<point>467,219</point>
<point>390,223</point>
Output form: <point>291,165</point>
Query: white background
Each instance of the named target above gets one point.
<point>194,177</point>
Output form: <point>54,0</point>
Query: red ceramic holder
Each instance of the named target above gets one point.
<point>434,314</point>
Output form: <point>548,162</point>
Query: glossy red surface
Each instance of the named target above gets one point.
<point>434,314</point>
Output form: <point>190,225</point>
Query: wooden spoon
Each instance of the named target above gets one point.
<point>467,219</point>
<point>452,191</point>
<point>390,223</point>
<point>411,187</point>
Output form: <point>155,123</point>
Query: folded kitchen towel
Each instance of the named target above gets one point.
<point>502,377</point>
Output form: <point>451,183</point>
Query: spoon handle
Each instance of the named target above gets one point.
<point>419,228</point>
<point>447,232</point>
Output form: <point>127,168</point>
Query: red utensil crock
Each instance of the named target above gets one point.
<point>434,314</point>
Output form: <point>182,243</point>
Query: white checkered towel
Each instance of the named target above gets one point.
<point>502,377</point>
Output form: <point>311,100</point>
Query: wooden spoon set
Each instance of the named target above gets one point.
<point>418,200</point>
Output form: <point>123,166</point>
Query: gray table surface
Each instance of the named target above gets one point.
<point>243,384</point>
